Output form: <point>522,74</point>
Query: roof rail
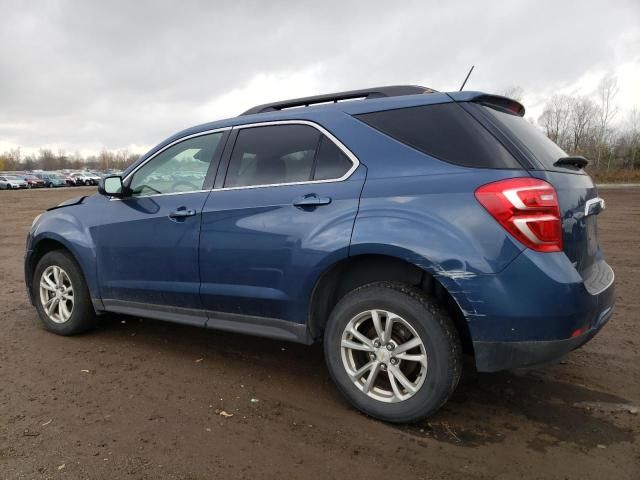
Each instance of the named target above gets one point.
<point>367,93</point>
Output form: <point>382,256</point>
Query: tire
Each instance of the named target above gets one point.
<point>82,316</point>
<point>416,315</point>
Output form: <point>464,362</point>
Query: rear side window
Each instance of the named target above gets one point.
<point>540,146</point>
<point>272,155</point>
<point>331,162</point>
<point>444,131</point>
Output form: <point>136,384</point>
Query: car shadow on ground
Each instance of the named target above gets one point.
<point>485,408</point>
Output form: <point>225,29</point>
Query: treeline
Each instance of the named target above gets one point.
<point>582,125</point>
<point>47,159</point>
<point>590,126</point>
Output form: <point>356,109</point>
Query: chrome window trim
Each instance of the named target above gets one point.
<point>179,140</point>
<point>354,160</point>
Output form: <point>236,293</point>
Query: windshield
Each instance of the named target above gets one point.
<point>539,145</point>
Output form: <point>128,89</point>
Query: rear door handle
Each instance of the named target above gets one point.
<point>311,200</point>
<point>182,212</point>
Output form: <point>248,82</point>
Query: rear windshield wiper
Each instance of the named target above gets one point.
<point>575,161</point>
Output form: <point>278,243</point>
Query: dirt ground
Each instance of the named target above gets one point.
<point>138,399</point>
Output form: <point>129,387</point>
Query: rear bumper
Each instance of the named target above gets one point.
<point>495,356</point>
<point>534,311</point>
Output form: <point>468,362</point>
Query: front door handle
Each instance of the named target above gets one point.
<point>182,212</point>
<point>311,200</point>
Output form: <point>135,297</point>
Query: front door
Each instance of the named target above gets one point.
<point>147,243</point>
<point>282,213</point>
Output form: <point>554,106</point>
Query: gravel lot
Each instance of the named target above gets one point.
<point>139,399</point>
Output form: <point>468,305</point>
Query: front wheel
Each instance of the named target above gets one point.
<point>393,352</point>
<point>61,295</point>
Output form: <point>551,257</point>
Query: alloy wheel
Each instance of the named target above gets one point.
<point>384,356</point>
<point>56,294</point>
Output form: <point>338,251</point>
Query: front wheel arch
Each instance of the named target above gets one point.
<point>81,315</point>
<point>40,249</point>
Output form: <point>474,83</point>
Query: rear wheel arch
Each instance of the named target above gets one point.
<point>359,270</point>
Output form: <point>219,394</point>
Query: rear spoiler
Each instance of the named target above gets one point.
<point>496,101</point>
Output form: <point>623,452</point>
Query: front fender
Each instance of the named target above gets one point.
<point>63,227</point>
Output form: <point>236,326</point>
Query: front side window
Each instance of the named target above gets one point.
<point>180,168</point>
<point>277,154</point>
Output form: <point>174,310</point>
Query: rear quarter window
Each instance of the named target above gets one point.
<point>445,131</point>
<point>541,147</point>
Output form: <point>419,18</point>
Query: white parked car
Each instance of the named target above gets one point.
<point>84,178</point>
<point>95,177</point>
<point>11,182</point>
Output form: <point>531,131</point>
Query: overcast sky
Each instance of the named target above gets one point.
<point>87,75</point>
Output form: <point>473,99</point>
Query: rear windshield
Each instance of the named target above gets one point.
<point>539,145</point>
<point>445,131</point>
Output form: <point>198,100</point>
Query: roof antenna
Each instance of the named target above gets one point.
<point>466,78</point>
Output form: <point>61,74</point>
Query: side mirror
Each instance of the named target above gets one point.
<point>112,186</point>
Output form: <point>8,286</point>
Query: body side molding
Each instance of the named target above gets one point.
<point>258,326</point>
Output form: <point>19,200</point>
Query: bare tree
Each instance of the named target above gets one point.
<point>556,118</point>
<point>515,92</point>
<point>583,119</point>
<point>46,159</point>
<point>631,138</point>
<point>606,94</point>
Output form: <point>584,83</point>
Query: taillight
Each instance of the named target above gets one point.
<point>528,209</point>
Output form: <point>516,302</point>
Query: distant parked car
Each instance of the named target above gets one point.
<point>94,176</point>
<point>12,182</point>
<point>69,180</point>
<point>52,180</point>
<point>83,178</point>
<point>33,181</point>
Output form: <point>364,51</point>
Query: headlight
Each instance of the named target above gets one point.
<point>35,220</point>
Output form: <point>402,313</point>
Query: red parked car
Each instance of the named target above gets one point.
<point>33,181</point>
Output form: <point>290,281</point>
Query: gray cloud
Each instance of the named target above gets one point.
<point>92,74</point>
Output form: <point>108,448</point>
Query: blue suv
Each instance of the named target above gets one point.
<point>401,226</point>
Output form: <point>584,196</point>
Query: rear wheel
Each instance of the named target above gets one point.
<point>392,352</point>
<point>61,296</point>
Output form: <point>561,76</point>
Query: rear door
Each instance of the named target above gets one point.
<point>282,210</point>
<point>578,197</point>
